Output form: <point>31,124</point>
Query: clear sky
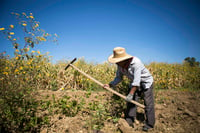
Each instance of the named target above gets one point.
<point>153,30</point>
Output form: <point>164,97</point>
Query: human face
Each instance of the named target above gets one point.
<point>122,63</point>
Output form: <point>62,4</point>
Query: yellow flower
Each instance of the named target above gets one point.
<point>32,51</point>
<point>24,72</point>
<point>43,39</point>
<point>24,24</point>
<point>26,49</point>
<point>16,70</point>
<point>17,14</point>
<point>11,26</point>
<point>5,73</point>
<point>14,39</point>
<point>12,33</point>
<point>62,88</point>
<point>37,25</point>
<point>24,14</point>
<point>16,58</point>
<point>31,17</point>
<point>38,52</point>
<point>2,28</point>
<point>20,68</point>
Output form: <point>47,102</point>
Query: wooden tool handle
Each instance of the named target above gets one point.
<point>108,88</point>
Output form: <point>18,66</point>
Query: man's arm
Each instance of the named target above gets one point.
<point>118,78</point>
<point>133,89</point>
<point>135,83</point>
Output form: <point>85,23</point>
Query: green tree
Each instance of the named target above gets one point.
<point>191,61</point>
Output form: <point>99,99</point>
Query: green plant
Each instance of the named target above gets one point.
<point>99,114</point>
<point>21,75</point>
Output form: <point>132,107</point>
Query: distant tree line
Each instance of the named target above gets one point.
<point>192,61</point>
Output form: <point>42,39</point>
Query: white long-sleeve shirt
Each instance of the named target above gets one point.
<point>137,73</point>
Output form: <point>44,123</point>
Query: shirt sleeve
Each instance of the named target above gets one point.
<point>118,78</point>
<point>137,75</point>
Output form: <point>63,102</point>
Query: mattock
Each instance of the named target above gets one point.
<point>102,85</point>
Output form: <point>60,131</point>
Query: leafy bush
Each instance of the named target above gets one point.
<point>21,75</point>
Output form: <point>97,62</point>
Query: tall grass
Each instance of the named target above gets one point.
<point>175,76</point>
<point>166,76</point>
<point>39,73</point>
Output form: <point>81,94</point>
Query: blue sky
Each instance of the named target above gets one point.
<point>153,30</point>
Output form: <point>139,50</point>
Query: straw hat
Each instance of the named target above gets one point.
<point>119,54</point>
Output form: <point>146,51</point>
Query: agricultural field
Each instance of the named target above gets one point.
<point>38,96</point>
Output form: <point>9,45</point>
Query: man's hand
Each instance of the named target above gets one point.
<point>129,97</point>
<point>106,85</point>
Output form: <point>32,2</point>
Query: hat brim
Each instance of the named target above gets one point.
<point>111,58</point>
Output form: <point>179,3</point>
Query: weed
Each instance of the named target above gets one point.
<point>99,115</point>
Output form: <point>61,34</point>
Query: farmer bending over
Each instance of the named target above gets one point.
<point>141,81</point>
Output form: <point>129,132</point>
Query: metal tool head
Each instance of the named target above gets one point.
<point>70,63</point>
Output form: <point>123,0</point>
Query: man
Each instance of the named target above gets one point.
<point>141,81</point>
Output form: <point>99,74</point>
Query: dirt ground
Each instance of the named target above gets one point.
<point>176,112</point>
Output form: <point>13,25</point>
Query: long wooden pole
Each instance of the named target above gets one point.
<point>108,88</point>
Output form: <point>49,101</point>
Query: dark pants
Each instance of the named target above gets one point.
<point>149,106</point>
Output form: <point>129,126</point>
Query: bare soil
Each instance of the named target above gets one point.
<point>176,112</point>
